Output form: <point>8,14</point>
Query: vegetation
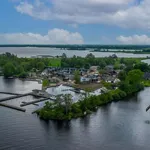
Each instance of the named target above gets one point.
<point>9,70</point>
<point>45,83</point>
<point>20,67</point>
<point>77,77</point>
<point>54,62</point>
<point>64,109</point>
<point>67,110</point>
<point>146,83</point>
<point>88,87</point>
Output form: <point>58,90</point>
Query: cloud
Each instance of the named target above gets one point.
<point>54,36</point>
<point>124,13</point>
<point>135,39</point>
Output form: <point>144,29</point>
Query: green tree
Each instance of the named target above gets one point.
<point>144,67</point>
<point>122,75</point>
<point>19,70</point>
<point>77,77</point>
<point>23,74</point>
<point>90,55</point>
<point>45,82</point>
<point>68,102</point>
<point>9,70</point>
<point>40,66</point>
<point>26,66</point>
<point>64,56</point>
<point>59,100</point>
<point>135,76</point>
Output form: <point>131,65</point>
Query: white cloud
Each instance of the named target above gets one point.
<point>135,39</point>
<point>124,13</point>
<point>55,36</point>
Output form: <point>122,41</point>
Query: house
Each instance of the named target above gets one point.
<point>147,75</point>
<point>109,68</point>
<point>84,80</point>
<point>116,80</point>
<point>44,73</point>
<point>93,68</point>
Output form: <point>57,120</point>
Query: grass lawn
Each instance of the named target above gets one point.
<point>55,62</point>
<point>146,83</point>
<point>88,87</point>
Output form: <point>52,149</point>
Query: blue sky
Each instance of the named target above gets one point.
<point>74,22</point>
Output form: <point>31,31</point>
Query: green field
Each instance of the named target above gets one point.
<point>55,62</point>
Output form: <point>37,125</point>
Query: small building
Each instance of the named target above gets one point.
<point>109,68</point>
<point>84,80</point>
<point>147,75</point>
<point>93,69</point>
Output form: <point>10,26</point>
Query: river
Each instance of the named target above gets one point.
<point>120,125</point>
<point>33,51</point>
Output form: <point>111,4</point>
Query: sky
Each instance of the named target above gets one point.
<point>75,22</point>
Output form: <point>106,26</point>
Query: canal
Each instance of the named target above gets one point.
<point>123,125</point>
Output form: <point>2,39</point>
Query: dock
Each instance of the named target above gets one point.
<point>13,107</point>
<point>33,102</point>
<point>9,93</point>
<point>36,93</point>
<point>14,97</point>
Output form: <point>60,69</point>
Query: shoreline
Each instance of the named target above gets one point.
<point>101,103</point>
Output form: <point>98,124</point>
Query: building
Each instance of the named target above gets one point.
<point>147,75</point>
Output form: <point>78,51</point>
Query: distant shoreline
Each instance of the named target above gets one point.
<point>122,51</point>
<point>81,47</point>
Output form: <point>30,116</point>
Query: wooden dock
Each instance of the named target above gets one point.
<point>44,97</point>
<point>14,97</point>
<point>33,102</point>
<point>13,107</point>
<point>9,93</point>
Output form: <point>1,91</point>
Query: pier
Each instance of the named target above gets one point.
<point>33,104</point>
<point>36,93</point>
<point>14,97</point>
<point>9,93</point>
<point>35,101</point>
<point>13,107</point>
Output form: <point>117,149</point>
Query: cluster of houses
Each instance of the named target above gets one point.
<point>91,75</point>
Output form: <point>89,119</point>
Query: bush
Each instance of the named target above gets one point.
<point>23,75</point>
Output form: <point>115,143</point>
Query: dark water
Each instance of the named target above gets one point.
<point>30,51</point>
<point>120,126</point>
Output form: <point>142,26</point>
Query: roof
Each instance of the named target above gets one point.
<point>93,67</point>
<point>147,75</point>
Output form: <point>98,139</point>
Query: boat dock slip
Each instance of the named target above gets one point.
<point>13,107</point>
